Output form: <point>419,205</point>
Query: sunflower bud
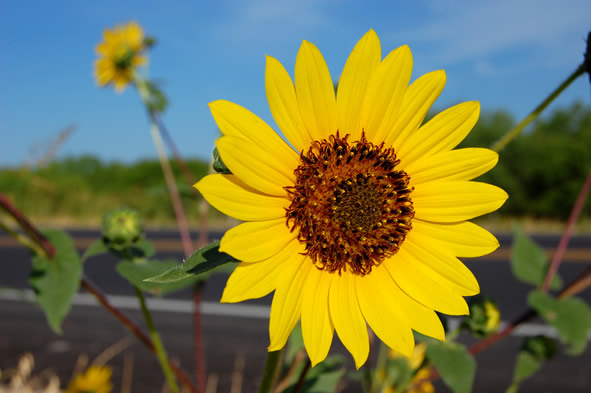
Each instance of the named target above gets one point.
<point>122,227</point>
<point>484,318</point>
<point>541,347</point>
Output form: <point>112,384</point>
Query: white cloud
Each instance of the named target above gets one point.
<point>275,19</point>
<point>469,30</point>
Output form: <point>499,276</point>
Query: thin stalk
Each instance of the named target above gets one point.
<point>499,145</point>
<point>574,215</point>
<point>270,373</point>
<point>302,377</point>
<point>133,328</point>
<point>49,251</point>
<point>167,171</point>
<point>25,241</point>
<point>158,347</point>
<point>582,282</point>
<point>26,225</point>
<point>380,367</point>
<point>157,129</point>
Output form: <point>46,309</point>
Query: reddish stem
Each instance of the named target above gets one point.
<point>26,225</point>
<point>50,250</point>
<point>143,337</point>
<point>574,215</point>
<point>202,240</point>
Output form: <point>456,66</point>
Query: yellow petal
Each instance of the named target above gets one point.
<point>287,301</point>
<point>453,201</point>
<point>422,285</point>
<point>463,239</point>
<point>385,94</point>
<point>347,318</point>
<point>382,313</point>
<point>417,101</point>
<point>354,81</point>
<point>441,262</point>
<point>232,197</point>
<point>255,166</point>
<point>420,318</point>
<point>257,240</point>
<point>461,164</point>
<point>252,280</point>
<point>443,132</point>
<point>317,327</point>
<point>235,120</point>
<point>284,105</point>
<point>315,92</point>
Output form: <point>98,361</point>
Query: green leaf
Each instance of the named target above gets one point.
<point>137,272</point>
<point>324,377</point>
<point>456,366</point>
<point>529,262</point>
<point>295,343</point>
<point>525,366</point>
<point>399,373</point>
<point>56,281</point>
<point>202,260</point>
<point>96,248</point>
<point>571,317</point>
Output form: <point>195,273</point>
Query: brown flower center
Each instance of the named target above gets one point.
<point>350,205</point>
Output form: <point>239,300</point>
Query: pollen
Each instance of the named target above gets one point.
<point>350,204</point>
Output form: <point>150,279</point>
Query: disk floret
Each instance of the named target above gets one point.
<point>350,206</point>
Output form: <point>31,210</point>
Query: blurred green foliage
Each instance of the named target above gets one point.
<point>542,170</point>
<point>85,188</point>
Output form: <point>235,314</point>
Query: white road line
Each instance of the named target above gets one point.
<point>154,304</point>
<point>226,310</point>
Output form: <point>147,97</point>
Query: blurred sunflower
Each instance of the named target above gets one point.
<point>365,223</point>
<point>96,379</point>
<point>120,53</point>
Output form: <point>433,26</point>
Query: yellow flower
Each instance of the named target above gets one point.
<point>493,317</point>
<point>365,223</point>
<point>422,387</point>
<point>94,380</point>
<point>120,53</point>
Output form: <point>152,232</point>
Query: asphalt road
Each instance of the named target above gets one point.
<point>237,334</point>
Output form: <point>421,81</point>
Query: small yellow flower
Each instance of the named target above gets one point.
<point>493,316</point>
<point>96,379</point>
<point>120,53</point>
<point>421,387</point>
<point>359,220</point>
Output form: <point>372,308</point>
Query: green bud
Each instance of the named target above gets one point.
<point>541,347</point>
<point>122,228</point>
<point>218,164</point>
<point>484,318</point>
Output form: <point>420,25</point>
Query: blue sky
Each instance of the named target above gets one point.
<point>508,54</point>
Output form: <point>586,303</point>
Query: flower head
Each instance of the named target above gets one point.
<point>361,220</point>
<point>120,53</point>
<point>96,379</point>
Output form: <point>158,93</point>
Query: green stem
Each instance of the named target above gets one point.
<point>499,145</point>
<point>378,378</point>
<point>25,241</point>
<point>158,347</point>
<point>271,367</point>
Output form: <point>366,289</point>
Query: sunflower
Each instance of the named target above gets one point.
<point>361,220</point>
<point>120,53</point>
<point>96,379</point>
